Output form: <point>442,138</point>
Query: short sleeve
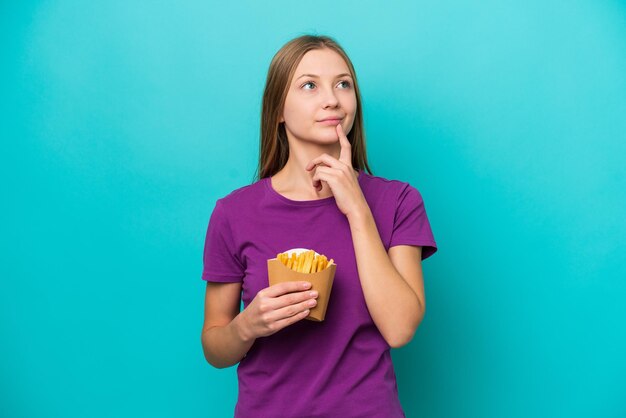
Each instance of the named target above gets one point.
<point>411,225</point>
<point>221,259</point>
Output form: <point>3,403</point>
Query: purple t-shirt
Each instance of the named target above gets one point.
<point>340,367</point>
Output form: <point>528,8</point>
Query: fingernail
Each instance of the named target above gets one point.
<point>313,294</point>
<point>306,285</point>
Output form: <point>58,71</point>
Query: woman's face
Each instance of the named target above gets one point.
<point>321,95</point>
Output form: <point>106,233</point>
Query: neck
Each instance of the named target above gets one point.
<point>294,181</point>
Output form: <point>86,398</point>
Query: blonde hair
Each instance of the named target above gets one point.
<point>274,148</point>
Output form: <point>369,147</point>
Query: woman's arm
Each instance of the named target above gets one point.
<point>228,334</point>
<point>222,339</point>
<point>393,283</point>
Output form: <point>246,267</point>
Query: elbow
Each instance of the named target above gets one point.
<point>214,360</point>
<point>401,335</point>
<point>400,339</point>
<point>217,364</point>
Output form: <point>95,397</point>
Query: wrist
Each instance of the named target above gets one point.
<point>360,214</point>
<point>242,329</point>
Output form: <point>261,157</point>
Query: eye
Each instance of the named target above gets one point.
<point>345,83</point>
<point>308,83</point>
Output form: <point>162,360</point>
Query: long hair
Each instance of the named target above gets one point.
<point>274,148</point>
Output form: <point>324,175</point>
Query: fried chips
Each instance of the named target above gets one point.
<point>305,262</point>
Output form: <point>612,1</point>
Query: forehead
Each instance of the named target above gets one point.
<point>322,62</point>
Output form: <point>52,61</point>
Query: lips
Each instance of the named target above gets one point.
<point>332,119</point>
<point>330,122</point>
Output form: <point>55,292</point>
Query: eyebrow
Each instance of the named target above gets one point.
<point>316,76</point>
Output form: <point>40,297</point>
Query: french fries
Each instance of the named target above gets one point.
<point>305,262</point>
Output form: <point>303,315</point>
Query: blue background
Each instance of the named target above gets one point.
<point>124,121</point>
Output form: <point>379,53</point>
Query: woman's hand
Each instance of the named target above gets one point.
<point>277,307</point>
<point>339,175</point>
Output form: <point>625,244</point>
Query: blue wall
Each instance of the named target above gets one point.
<point>123,122</point>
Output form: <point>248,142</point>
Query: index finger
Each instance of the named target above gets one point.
<point>280,289</point>
<point>345,155</point>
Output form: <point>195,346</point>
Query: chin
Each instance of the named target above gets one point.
<point>325,140</point>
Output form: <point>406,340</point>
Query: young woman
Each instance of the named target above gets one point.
<point>313,192</point>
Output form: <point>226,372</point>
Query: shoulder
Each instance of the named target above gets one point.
<point>391,189</point>
<point>242,197</point>
<point>236,204</point>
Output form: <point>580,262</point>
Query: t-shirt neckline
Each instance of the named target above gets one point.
<point>316,202</point>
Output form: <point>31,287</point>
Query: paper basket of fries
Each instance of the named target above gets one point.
<point>301,264</point>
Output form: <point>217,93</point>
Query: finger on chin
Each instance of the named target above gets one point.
<point>339,130</point>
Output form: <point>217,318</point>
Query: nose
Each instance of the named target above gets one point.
<point>330,98</point>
